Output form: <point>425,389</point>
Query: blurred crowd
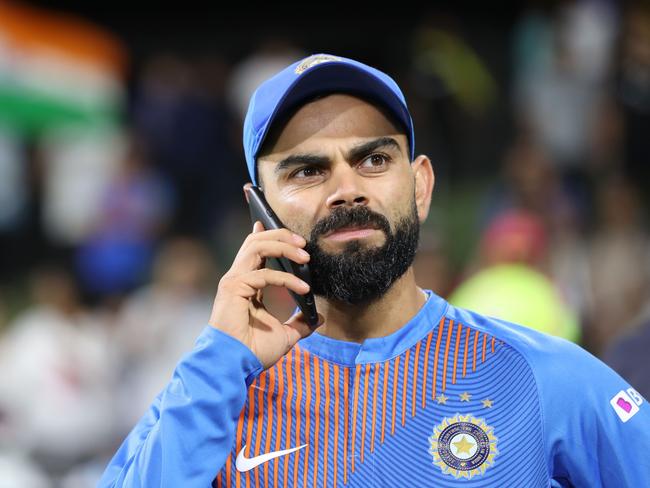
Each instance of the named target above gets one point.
<point>113,240</point>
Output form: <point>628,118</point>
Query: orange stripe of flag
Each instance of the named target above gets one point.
<point>383,403</point>
<point>36,29</point>
<point>317,428</point>
<point>363,418</point>
<point>441,328</point>
<point>484,346</point>
<point>446,357</point>
<point>406,374</point>
<point>426,369</point>
<point>459,332</point>
<point>374,409</point>
<point>395,375</point>
<point>492,345</point>
<point>415,378</point>
<point>326,382</point>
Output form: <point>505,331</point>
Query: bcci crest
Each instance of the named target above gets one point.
<point>463,446</point>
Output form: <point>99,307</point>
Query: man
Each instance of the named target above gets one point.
<point>396,387</point>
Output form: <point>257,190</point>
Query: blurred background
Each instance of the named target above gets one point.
<point>121,169</point>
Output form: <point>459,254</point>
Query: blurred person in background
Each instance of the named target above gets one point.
<point>180,110</point>
<point>623,231</point>
<point>563,63</point>
<point>509,282</point>
<point>18,470</point>
<point>133,214</point>
<point>55,394</point>
<point>619,263</point>
<point>71,170</point>
<point>633,93</point>
<point>529,183</point>
<point>454,94</point>
<point>159,322</point>
<point>14,202</point>
<point>269,56</point>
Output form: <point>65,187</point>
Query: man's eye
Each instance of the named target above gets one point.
<point>306,172</point>
<point>375,162</point>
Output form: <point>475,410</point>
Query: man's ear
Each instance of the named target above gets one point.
<point>424,183</point>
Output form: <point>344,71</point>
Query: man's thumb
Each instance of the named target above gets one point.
<point>297,327</point>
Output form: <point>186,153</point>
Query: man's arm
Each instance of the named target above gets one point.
<point>597,427</point>
<point>185,437</point>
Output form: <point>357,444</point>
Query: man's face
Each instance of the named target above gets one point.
<point>338,173</point>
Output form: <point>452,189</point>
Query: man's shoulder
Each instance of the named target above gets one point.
<point>523,339</point>
<point>571,383</point>
<point>545,354</point>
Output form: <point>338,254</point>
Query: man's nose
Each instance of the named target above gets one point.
<point>347,187</point>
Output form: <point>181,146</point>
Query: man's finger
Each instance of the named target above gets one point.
<point>261,278</point>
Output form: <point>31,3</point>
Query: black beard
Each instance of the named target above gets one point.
<point>359,275</point>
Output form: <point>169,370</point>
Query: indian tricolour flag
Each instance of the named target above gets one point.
<point>57,69</point>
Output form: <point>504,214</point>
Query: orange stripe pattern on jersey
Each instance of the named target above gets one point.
<point>305,399</point>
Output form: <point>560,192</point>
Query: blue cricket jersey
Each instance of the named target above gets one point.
<point>453,398</point>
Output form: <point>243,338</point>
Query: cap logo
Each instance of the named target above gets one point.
<point>314,60</point>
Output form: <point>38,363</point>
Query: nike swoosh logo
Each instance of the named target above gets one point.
<point>244,464</point>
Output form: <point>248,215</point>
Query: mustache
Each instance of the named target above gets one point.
<point>350,217</point>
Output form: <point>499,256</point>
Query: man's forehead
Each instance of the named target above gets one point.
<point>345,119</point>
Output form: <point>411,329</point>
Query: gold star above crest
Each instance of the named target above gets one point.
<point>462,446</point>
<point>442,399</point>
<point>464,397</point>
<point>487,403</point>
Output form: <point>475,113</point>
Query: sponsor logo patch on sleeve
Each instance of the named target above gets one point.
<point>626,403</point>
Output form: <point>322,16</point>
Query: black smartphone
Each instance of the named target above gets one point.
<point>260,210</point>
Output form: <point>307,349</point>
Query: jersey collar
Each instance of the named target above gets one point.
<point>379,348</point>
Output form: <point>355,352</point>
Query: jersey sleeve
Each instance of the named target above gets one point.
<point>597,427</point>
<point>187,433</point>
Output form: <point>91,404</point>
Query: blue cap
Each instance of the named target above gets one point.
<point>314,75</point>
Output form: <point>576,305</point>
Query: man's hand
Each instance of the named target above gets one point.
<point>238,309</point>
